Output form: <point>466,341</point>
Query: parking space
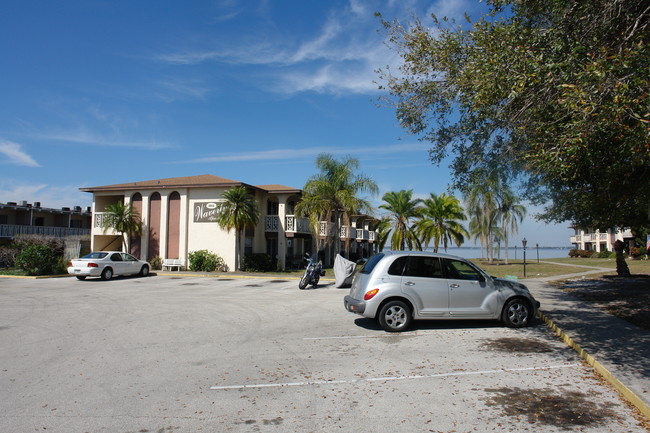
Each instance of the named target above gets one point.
<point>176,354</point>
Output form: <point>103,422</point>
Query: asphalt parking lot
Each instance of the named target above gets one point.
<point>189,354</point>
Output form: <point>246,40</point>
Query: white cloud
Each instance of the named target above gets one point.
<point>83,137</point>
<point>16,155</point>
<point>284,154</point>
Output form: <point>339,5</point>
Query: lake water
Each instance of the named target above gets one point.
<point>513,253</point>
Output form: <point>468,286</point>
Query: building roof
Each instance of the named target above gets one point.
<point>279,189</point>
<point>200,181</point>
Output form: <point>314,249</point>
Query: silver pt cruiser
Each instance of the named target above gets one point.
<point>397,287</point>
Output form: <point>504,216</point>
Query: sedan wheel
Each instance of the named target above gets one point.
<point>516,313</point>
<point>144,271</point>
<point>395,316</point>
<point>107,274</point>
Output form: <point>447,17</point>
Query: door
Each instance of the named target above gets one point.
<point>470,295</point>
<point>118,265</point>
<point>423,280</point>
<point>131,264</point>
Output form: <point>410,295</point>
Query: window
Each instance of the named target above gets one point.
<point>116,257</point>
<point>462,271</point>
<point>271,207</point>
<point>371,263</point>
<point>397,267</point>
<point>426,267</point>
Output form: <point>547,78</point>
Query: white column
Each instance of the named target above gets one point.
<point>144,238</point>
<point>164,222</point>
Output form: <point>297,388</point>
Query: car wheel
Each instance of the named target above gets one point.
<point>81,277</point>
<point>144,271</point>
<point>516,313</point>
<point>107,274</point>
<point>395,316</point>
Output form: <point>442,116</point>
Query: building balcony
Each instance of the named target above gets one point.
<point>293,224</point>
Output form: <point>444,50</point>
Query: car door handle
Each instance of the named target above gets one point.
<point>409,283</point>
<point>454,286</point>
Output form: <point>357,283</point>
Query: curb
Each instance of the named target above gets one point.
<point>628,394</point>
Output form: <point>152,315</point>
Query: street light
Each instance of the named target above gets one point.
<point>537,245</point>
<point>524,242</point>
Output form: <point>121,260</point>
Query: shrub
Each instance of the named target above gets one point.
<point>156,263</point>
<point>21,242</point>
<point>38,260</point>
<point>205,261</point>
<point>606,254</point>
<point>258,263</point>
<point>8,256</point>
<point>635,252</point>
<point>580,253</point>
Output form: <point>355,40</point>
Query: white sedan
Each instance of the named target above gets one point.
<point>106,264</point>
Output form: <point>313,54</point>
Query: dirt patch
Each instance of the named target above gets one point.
<point>546,407</point>
<point>522,345</point>
<point>627,298</point>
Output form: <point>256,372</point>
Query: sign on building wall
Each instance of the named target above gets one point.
<point>205,211</point>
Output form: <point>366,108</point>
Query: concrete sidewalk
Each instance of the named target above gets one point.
<point>621,348</point>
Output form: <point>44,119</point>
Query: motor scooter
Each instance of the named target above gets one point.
<point>313,272</point>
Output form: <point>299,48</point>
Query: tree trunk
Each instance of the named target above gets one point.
<point>621,267</point>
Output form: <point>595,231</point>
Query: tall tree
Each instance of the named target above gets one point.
<point>510,212</point>
<point>124,219</point>
<point>403,210</point>
<point>383,229</point>
<point>558,90</point>
<point>440,221</point>
<point>482,204</point>
<point>334,194</point>
<point>238,211</point>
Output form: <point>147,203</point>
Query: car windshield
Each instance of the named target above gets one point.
<point>371,263</point>
<point>95,255</point>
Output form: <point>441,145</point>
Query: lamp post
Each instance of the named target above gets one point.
<point>537,246</point>
<point>524,242</point>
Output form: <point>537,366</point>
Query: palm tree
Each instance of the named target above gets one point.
<point>482,203</point>
<point>402,210</point>
<point>333,194</point>
<point>439,221</point>
<point>382,229</point>
<point>238,211</point>
<point>122,218</point>
<point>510,210</point>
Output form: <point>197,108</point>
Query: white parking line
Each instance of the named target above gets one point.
<point>392,378</point>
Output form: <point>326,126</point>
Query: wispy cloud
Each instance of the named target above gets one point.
<point>288,154</point>
<point>341,56</point>
<point>90,139</point>
<point>13,151</point>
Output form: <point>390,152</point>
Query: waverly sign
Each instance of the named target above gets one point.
<point>206,211</point>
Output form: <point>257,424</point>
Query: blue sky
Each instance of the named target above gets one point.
<point>103,92</point>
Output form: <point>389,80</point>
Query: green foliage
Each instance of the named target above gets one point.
<point>205,261</point>
<point>403,210</point>
<point>606,255</point>
<point>38,260</point>
<point>555,91</point>
<point>259,263</point>
<point>123,219</point>
<point>156,263</point>
<point>238,211</point>
<point>335,193</point>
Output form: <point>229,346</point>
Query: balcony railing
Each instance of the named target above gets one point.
<point>293,224</point>
<point>10,230</point>
<point>363,235</point>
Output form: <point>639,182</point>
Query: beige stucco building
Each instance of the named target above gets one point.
<point>178,216</point>
<point>596,240</point>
